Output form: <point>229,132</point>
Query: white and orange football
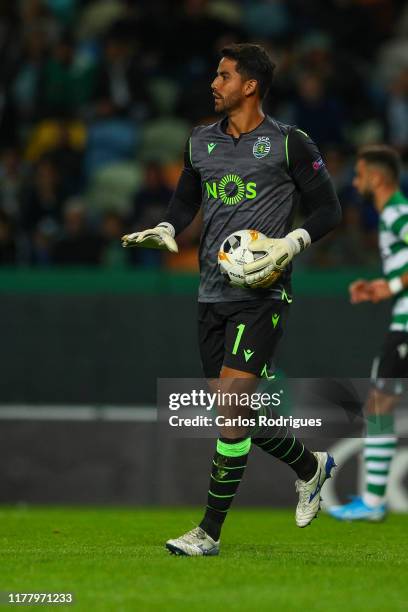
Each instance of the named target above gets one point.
<point>234,253</point>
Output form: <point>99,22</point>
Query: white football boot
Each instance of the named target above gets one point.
<point>309,491</point>
<point>194,543</point>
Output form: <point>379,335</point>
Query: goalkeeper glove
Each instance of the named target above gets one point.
<point>160,237</point>
<point>277,254</point>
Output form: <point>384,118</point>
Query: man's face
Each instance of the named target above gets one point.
<point>363,179</point>
<point>227,87</point>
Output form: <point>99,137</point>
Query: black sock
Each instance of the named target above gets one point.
<point>285,447</point>
<point>228,467</point>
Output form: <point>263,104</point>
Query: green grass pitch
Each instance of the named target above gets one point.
<point>114,559</point>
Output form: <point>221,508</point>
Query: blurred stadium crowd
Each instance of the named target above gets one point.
<point>97,99</point>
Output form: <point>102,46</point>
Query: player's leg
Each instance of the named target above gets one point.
<point>232,448</point>
<point>379,449</point>
<point>281,443</point>
<point>379,446</point>
<point>211,339</point>
<point>256,330</point>
<point>312,469</point>
<point>227,469</point>
<point>380,441</point>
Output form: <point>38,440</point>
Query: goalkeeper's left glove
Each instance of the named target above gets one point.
<point>278,253</point>
<point>159,237</point>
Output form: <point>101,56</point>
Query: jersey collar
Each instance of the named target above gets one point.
<point>394,199</point>
<point>222,125</point>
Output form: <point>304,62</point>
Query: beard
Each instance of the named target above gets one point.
<point>228,104</point>
<point>367,193</point>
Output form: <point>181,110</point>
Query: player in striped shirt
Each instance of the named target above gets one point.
<point>377,175</point>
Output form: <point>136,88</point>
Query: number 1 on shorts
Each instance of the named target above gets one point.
<point>238,337</point>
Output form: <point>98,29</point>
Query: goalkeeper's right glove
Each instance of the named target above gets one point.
<point>278,253</point>
<point>160,237</point>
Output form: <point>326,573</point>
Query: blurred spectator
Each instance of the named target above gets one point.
<point>68,80</point>
<point>35,15</point>
<point>68,158</point>
<point>316,112</point>
<point>149,207</point>
<point>97,16</point>
<point>202,36</point>
<point>112,229</point>
<point>397,112</point>
<point>120,88</point>
<point>78,245</point>
<point>339,167</point>
<point>392,58</point>
<point>110,140</point>
<point>11,178</point>
<point>29,76</point>
<point>50,134</point>
<point>64,10</point>
<point>113,187</point>
<point>164,140</point>
<point>315,54</point>
<point>150,203</point>
<point>354,242</point>
<point>194,63</point>
<point>265,19</point>
<point>43,240</point>
<point>8,249</point>
<point>43,196</point>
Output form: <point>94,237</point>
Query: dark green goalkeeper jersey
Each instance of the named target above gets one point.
<point>253,182</point>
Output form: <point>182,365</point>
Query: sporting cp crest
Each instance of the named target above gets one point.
<point>261,147</point>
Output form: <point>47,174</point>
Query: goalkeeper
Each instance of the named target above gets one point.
<point>247,171</point>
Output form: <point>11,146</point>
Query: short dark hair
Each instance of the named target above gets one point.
<point>253,62</point>
<point>384,157</point>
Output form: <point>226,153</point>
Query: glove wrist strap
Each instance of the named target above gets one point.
<point>300,239</point>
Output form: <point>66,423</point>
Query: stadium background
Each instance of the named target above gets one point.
<point>97,99</point>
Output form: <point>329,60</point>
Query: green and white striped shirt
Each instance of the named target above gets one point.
<point>393,236</point>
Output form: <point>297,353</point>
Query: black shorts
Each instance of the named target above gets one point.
<point>240,335</point>
<point>390,368</point>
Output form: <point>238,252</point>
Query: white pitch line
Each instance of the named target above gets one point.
<point>26,412</point>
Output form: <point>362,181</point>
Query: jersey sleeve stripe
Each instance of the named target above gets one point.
<point>396,247</point>
<point>391,214</point>
<point>397,262</point>
<point>286,149</point>
<point>401,307</point>
<point>396,272</point>
<point>400,226</point>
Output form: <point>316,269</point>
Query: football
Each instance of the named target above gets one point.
<point>234,253</point>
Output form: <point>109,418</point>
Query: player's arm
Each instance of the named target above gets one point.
<point>182,209</point>
<point>381,288</point>
<point>360,291</point>
<point>310,175</point>
<point>377,290</point>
